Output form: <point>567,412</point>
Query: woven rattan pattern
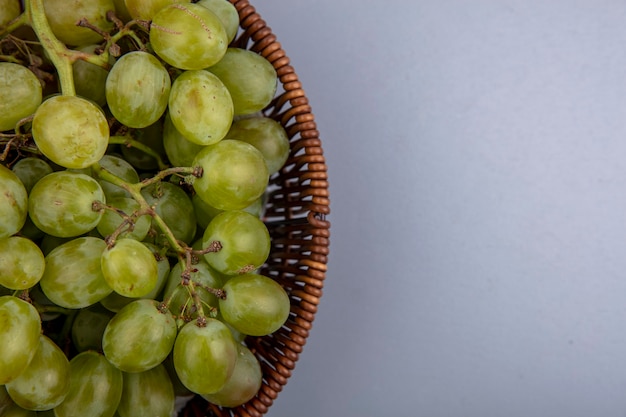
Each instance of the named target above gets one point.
<point>296,210</point>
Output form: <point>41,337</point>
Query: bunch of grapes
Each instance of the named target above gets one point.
<point>134,161</point>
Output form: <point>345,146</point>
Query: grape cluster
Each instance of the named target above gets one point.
<point>134,161</point>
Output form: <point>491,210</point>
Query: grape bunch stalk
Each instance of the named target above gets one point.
<point>134,160</point>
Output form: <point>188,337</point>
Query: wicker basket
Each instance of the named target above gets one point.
<point>296,217</point>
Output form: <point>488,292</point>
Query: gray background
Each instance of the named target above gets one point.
<point>477,158</point>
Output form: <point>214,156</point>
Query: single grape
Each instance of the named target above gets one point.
<point>13,205</point>
<point>88,327</point>
<point>90,79</point>
<point>243,384</point>
<point>62,204</point>
<point>255,304</point>
<point>20,327</point>
<point>139,337</point>
<point>146,9</point>
<point>147,394</point>
<point>21,263</point>
<point>71,131</point>
<point>45,382</point>
<point>21,94</point>
<point>250,79</point>
<point>174,206</point>
<point>63,17</point>
<point>205,356</point>
<point>95,387</point>
<point>137,89</point>
<point>245,242</point>
<point>111,219</point>
<point>115,302</point>
<point>130,268</point>
<point>178,149</point>
<point>265,134</point>
<point>9,10</point>
<point>30,170</point>
<point>188,36</point>
<point>234,174</point>
<point>73,277</point>
<point>200,107</point>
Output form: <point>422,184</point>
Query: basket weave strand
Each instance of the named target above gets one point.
<point>295,214</point>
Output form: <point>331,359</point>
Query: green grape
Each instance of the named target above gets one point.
<point>147,394</point>
<point>137,89</point>
<point>178,149</point>
<point>152,137</point>
<point>88,327</point>
<point>205,356</point>
<point>95,387</point>
<point>21,94</point>
<point>130,268</point>
<point>243,384</point>
<point>20,327</point>
<point>178,297</point>
<point>227,13</point>
<point>63,16</point>
<point>188,36</point>
<point>139,337</point>
<point>255,304</point>
<point>111,220</point>
<point>146,9</point>
<point>265,134</point>
<point>30,170</point>
<point>120,168</point>
<point>45,382</point>
<point>234,174</point>
<point>90,79</point>
<point>200,107</point>
<point>250,79</point>
<point>115,302</point>
<point>13,205</point>
<point>21,263</point>
<point>245,242</point>
<point>71,131</point>
<point>73,277</point>
<point>62,204</point>
<point>174,206</point>
<point>9,10</point>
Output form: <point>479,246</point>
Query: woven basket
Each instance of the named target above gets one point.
<point>295,214</point>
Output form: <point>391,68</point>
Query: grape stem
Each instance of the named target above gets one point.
<point>19,21</point>
<point>61,57</point>
<point>135,191</point>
